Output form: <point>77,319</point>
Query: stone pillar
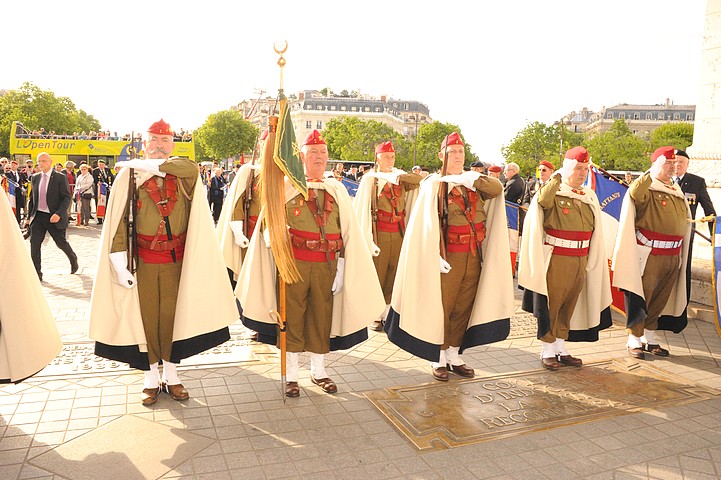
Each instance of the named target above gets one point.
<point>705,153</point>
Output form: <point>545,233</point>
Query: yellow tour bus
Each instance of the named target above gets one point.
<point>26,146</point>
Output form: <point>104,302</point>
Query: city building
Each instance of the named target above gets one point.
<point>641,119</point>
<point>312,110</point>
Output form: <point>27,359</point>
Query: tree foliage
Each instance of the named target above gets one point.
<point>351,138</point>
<point>618,148</point>
<point>428,144</point>
<point>225,134</point>
<point>536,142</point>
<point>679,135</point>
<point>36,108</point>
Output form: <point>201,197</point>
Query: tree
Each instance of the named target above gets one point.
<point>679,135</point>
<point>36,108</point>
<point>428,144</point>
<point>351,138</point>
<point>538,141</point>
<point>225,134</point>
<point>618,148</point>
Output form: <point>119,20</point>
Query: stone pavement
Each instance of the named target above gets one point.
<point>86,421</point>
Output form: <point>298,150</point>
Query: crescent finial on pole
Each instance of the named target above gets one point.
<point>280,50</point>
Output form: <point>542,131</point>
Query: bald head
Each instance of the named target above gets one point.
<point>45,162</point>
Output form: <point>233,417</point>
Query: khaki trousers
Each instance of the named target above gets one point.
<point>309,306</point>
<point>565,279</point>
<point>658,280</point>
<point>458,292</point>
<point>387,262</point>
<point>158,285</point>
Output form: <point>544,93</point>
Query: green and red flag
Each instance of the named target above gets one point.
<point>286,154</point>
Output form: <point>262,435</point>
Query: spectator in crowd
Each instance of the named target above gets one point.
<point>495,171</point>
<point>515,186</point>
<point>18,180</point>
<point>231,175</point>
<point>416,169</point>
<point>48,212</point>
<point>628,178</point>
<point>216,193</point>
<point>69,172</point>
<point>479,167</point>
<point>84,190</point>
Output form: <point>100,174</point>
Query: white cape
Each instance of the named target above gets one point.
<point>535,258</point>
<point>232,253</point>
<point>115,310</point>
<point>359,302</point>
<point>417,288</point>
<point>29,338</point>
<point>629,258</point>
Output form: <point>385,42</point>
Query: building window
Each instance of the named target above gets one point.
<point>332,107</point>
<point>660,116</point>
<point>677,116</point>
<point>308,107</point>
<point>649,116</point>
<point>405,106</point>
<point>609,115</point>
<point>689,116</point>
<point>308,124</point>
<point>636,116</point>
<point>622,115</point>
<point>353,109</point>
<point>319,107</point>
<point>367,109</point>
<point>319,125</point>
<point>378,109</point>
<point>343,108</point>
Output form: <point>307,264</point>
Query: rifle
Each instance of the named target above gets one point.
<point>443,204</point>
<point>131,213</point>
<point>249,192</point>
<point>374,211</point>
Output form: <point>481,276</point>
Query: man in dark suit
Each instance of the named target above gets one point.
<point>18,179</point>
<point>694,187</point>
<point>48,212</point>
<point>101,174</point>
<point>515,186</point>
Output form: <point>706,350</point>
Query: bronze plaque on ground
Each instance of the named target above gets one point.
<point>443,415</point>
<point>524,325</point>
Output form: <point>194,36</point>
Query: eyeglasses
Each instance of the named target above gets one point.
<point>542,169</point>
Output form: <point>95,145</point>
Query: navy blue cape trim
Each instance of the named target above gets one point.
<point>407,342</point>
<point>268,333</point>
<point>181,349</point>
<point>636,312</point>
<point>477,335</point>
<point>537,304</point>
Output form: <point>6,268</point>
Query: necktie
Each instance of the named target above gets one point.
<point>42,193</point>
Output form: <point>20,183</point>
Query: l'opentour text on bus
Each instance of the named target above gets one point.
<point>25,146</point>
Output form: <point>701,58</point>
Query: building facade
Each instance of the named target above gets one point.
<point>641,119</point>
<point>311,110</point>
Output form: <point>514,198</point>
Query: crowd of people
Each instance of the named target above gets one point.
<point>441,237</point>
<point>179,136</point>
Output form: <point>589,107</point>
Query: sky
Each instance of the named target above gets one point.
<point>490,67</point>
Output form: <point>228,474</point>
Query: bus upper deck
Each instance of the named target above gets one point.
<point>25,145</point>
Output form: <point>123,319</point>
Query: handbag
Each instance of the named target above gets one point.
<point>87,196</point>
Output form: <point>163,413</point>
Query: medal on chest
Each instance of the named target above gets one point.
<point>663,200</point>
<point>565,207</point>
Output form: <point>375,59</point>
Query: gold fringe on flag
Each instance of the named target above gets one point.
<point>272,194</point>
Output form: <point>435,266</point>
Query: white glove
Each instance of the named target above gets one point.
<point>266,238</point>
<point>390,177</point>
<point>375,250</point>
<point>240,239</point>
<point>467,179</point>
<point>152,166</point>
<point>338,282</point>
<point>119,261</point>
<point>445,266</point>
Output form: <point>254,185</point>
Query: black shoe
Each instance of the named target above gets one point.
<point>72,219</point>
<point>74,266</point>
<point>655,349</point>
<point>100,221</point>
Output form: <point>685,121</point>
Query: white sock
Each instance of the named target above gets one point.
<point>384,315</point>
<point>649,337</point>
<point>317,365</point>
<point>152,377</point>
<point>441,360</point>
<point>291,366</point>
<point>170,373</point>
<point>453,357</point>
<point>633,341</point>
<point>560,345</point>
<point>548,350</point>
